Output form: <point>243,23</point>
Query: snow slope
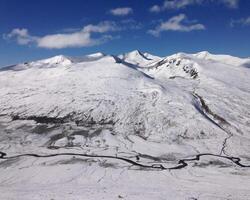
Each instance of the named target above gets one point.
<point>226,59</point>
<point>154,111</point>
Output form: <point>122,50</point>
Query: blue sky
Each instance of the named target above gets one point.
<point>32,30</point>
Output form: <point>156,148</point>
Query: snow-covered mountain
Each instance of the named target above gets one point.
<point>226,59</point>
<point>151,110</point>
<point>138,58</point>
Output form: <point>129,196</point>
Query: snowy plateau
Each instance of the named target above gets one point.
<point>133,126</point>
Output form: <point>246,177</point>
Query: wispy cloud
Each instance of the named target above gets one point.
<point>81,38</point>
<point>121,11</point>
<point>176,23</point>
<point>22,36</point>
<point>180,4</point>
<point>231,3</point>
<point>242,22</point>
<point>130,24</point>
<point>156,9</point>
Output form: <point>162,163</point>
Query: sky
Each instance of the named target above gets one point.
<point>31,30</point>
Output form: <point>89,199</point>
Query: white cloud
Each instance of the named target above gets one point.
<point>102,27</point>
<point>179,4</point>
<point>58,41</point>
<point>176,23</point>
<point>155,8</point>
<point>22,36</point>
<point>231,3</point>
<point>121,11</point>
<point>174,4</point>
<point>81,38</point>
<point>242,21</point>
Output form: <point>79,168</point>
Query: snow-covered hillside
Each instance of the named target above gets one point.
<point>226,59</point>
<point>155,112</point>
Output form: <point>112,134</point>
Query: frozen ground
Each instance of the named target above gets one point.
<point>134,126</point>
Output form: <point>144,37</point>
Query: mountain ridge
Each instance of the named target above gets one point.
<point>137,57</point>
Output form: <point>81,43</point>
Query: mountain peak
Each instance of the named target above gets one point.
<point>139,58</point>
<point>135,52</point>
<point>203,54</point>
<point>222,58</point>
<point>59,59</point>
